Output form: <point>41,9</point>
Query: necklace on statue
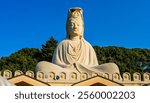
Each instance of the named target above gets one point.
<point>76,46</point>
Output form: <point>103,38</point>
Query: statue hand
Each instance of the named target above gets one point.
<point>69,66</point>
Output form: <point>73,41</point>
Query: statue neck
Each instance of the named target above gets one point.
<point>75,38</point>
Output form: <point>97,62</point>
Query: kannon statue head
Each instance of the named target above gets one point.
<point>75,24</point>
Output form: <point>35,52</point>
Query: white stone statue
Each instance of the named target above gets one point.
<point>4,82</point>
<point>75,54</point>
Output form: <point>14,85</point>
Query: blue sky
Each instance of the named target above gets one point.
<point>29,23</point>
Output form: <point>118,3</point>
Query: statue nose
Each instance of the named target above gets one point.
<point>75,26</point>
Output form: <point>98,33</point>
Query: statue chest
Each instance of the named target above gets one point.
<point>75,51</point>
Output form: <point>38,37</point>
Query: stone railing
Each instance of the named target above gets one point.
<point>74,77</point>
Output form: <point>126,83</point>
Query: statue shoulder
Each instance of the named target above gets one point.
<point>63,42</point>
<point>87,43</point>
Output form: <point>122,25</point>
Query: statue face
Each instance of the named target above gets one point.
<point>75,28</point>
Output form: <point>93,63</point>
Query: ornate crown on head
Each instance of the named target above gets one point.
<point>75,13</point>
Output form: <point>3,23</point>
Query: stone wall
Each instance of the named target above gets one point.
<point>126,78</point>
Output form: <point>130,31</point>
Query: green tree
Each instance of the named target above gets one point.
<point>25,59</point>
<point>48,49</point>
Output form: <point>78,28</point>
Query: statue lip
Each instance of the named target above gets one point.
<point>75,29</point>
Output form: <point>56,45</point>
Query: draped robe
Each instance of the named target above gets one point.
<point>70,56</point>
<point>66,53</point>
<point>4,82</point>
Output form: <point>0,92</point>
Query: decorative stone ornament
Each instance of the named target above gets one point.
<point>7,74</point>
<point>18,72</point>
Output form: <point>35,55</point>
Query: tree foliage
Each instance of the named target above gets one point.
<point>25,59</point>
<point>48,49</point>
<point>128,60</point>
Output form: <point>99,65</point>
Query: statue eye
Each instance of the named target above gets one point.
<point>71,24</point>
